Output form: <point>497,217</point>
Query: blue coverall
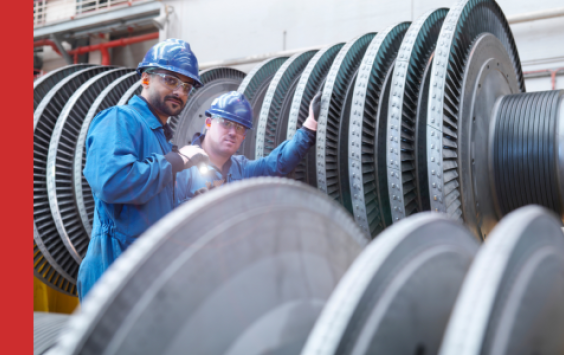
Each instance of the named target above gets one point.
<point>131,180</point>
<point>279,162</point>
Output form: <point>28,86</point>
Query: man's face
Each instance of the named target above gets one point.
<point>163,92</point>
<point>224,141</point>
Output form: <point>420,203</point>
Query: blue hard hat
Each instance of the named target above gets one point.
<point>232,106</point>
<point>173,55</point>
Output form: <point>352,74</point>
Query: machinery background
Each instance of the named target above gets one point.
<point>280,26</point>
<point>425,115</point>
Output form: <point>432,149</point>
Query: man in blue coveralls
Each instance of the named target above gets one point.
<point>130,165</point>
<point>228,121</point>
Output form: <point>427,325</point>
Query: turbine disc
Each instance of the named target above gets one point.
<point>49,276</point>
<point>258,287</point>
<point>331,138</point>
<point>254,88</point>
<point>311,81</point>
<point>217,81</point>
<point>135,89</point>
<point>488,76</point>
<point>46,330</point>
<point>366,167</point>
<point>464,23</point>
<point>60,161</point>
<point>273,119</point>
<point>407,181</point>
<point>45,231</point>
<point>511,299</point>
<point>42,85</point>
<point>397,296</point>
<point>83,194</point>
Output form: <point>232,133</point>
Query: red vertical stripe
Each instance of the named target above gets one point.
<point>16,181</point>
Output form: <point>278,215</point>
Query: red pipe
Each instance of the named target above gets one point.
<point>46,42</point>
<point>553,77</point>
<point>102,47</point>
<point>105,56</point>
<point>552,72</point>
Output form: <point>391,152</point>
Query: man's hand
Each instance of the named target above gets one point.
<point>193,156</point>
<point>314,109</point>
<point>209,186</point>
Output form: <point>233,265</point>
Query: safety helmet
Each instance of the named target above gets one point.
<point>232,106</point>
<point>173,55</point>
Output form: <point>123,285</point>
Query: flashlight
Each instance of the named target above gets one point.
<point>203,169</point>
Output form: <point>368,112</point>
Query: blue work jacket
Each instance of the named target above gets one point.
<point>281,161</point>
<point>131,181</point>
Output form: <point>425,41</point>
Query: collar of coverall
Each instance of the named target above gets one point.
<point>198,140</point>
<point>155,123</point>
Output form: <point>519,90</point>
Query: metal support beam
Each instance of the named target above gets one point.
<point>62,49</point>
<point>101,18</point>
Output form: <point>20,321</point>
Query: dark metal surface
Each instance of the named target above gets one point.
<point>60,162</point>
<point>526,153</point>
<point>332,133</point>
<point>465,22</point>
<point>135,89</point>
<point>254,87</point>
<point>44,84</point>
<point>46,330</point>
<point>273,117</point>
<point>217,81</point>
<point>43,270</point>
<point>366,134</point>
<point>251,282</point>
<point>511,301</point>
<point>404,175</point>
<point>83,194</point>
<point>397,296</point>
<point>45,231</point>
<point>488,75</point>
<point>311,81</point>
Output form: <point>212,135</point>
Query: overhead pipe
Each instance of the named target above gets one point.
<point>102,47</point>
<point>544,73</point>
<point>537,15</point>
<point>46,42</point>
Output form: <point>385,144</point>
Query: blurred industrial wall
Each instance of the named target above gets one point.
<point>226,29</point>
<point>221,30</point>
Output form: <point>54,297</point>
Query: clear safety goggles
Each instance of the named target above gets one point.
<point>239,128</point>
<point>173,82</point>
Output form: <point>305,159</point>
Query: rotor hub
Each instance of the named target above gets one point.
<point>488,75</point>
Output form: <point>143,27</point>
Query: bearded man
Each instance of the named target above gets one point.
<point>130,164</point>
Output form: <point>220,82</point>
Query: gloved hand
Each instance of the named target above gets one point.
<point>209,186</point>
<point>200,191</point>
<point>314,109</point>
<point>193,155</point>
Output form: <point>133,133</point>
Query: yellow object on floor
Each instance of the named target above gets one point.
<point>47,299</point>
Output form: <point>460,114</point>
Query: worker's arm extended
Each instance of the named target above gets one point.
<point>282,160</point>
<point>114,169</point>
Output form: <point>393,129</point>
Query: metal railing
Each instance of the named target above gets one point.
<point>46,12</point>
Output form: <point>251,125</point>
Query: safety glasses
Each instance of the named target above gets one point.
<point>173,82</point>
<point>239,128</point>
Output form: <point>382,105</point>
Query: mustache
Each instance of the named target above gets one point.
<point>175,98</point>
